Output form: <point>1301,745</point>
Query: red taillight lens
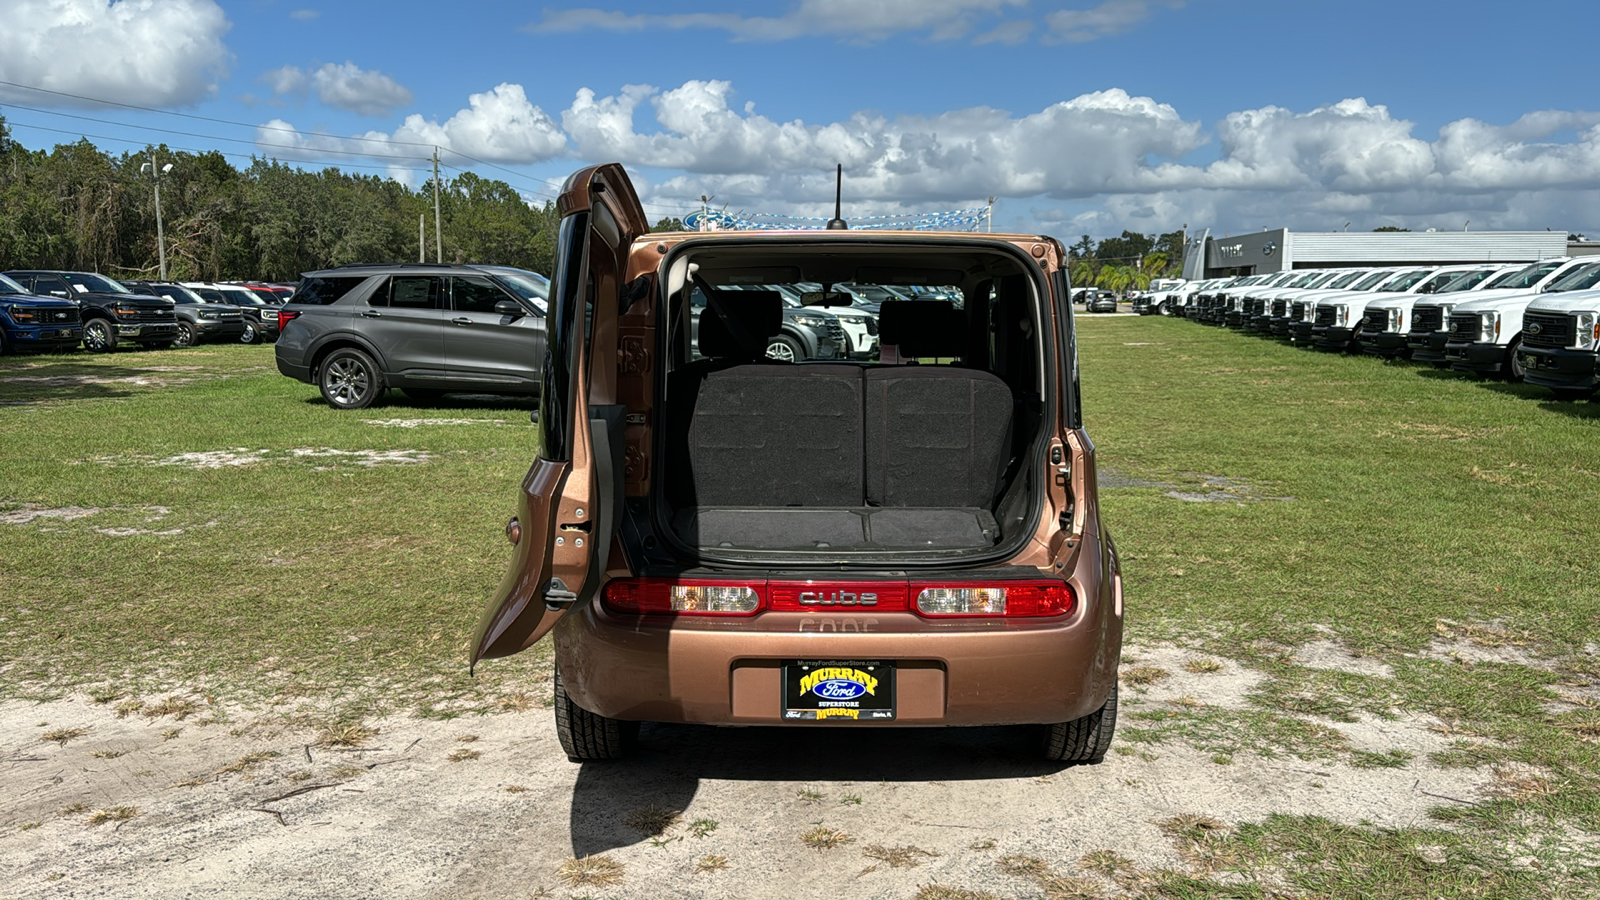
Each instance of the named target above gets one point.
<point>284,317</point>
<point>676,597</point>
<point>1012,599</point>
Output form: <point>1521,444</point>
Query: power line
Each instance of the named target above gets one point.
<point>168,112</point>
<point>195,150</point>
<point>213,137</point>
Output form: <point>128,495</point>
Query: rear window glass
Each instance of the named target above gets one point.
<point>324,290</point>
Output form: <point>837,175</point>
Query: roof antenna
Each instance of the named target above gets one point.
<point>836,223</point>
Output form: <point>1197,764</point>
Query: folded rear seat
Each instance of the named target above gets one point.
<point>780,456</point>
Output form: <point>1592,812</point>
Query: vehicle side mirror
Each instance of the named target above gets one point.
<point>509,308</point>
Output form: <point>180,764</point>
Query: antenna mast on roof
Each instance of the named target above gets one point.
<point>837,223</point>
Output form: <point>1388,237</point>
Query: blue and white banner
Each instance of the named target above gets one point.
<point>954,220</point>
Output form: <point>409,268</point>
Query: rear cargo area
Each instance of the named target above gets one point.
<point>918,450</point>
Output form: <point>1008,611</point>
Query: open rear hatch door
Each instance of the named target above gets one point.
<point>571,500</point>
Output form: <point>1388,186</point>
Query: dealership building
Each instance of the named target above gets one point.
<point>1253,253</point>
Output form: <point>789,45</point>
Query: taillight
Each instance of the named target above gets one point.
<point>1011,600</point>
<point>284,317</point>
<point>676,597</point>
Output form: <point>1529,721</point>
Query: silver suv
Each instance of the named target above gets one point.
<point>356,331</point>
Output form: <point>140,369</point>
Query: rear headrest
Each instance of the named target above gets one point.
<point>923,328</point>
<point>735,325</point>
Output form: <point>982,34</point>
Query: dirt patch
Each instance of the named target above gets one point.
<point>1193,678</point>
<point>32,512</point>
<point>227,807</point>
<point>1222,489</point>
<point>242,456</point>
<point>1327,654</point>
<point>420,423</point>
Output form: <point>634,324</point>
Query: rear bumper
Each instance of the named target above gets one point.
<point>1475,357</point>
<point>1559,368</point>
<point>948,673</point>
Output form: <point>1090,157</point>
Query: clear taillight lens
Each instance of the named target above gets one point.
<point>1046,598</point>
<point>671,597</point>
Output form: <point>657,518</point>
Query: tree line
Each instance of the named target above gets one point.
<point>1127,262</point>
<point>75,206</point>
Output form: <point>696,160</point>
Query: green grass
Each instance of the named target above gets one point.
<point>1401,512</point>
<point>313,579</point>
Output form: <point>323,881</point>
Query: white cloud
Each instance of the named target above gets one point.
<point>305,15</point>
<point>346,86</point>
<point>498,126</point>
<point>144,52</point>
<point>1098,162</point>
<point>850,20</point>
<point>1109,18</point>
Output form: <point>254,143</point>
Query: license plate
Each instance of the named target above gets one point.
<point>848,690</point>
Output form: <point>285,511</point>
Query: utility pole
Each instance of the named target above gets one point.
<point>988,217</point>
<point>438,236</point>
<point>422,239</point>
<point>705,210</point>
<point>161,237</point>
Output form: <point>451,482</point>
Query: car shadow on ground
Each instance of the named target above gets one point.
<point>671,761</point>
<point>398,400</point>
<point>25,379</point>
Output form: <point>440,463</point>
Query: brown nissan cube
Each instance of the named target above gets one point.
<point>712,536</point>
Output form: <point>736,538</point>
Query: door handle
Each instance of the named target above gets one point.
<point>462,320</point>
<point>372,314</point>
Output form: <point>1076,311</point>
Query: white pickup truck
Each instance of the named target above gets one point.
<point>1337,317</point>
<point>1388,319</point>
<point>1430,318</point>
<point>1486,334</point>
<point>1560,340</point>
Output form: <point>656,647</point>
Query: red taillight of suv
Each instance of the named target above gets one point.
<point>681,597</point>
<point>674,597</point>
<point>285,316</point>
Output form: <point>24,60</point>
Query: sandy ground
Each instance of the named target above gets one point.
<point>490,807</point>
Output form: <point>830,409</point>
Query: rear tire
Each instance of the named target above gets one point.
<point>589,736</point>
<point>349,379</point>
<point>1084,740</point>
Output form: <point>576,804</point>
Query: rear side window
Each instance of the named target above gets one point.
<point>410,292</point>
<point>325,290</point>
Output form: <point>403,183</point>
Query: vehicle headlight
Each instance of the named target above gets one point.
<point>1341,315</point>
<point>126,310</point>
<point>1586,336</point>
<point>1489,326</point>
<point>1393,320</point>
<point>21,314</point>
<point>811,321</point>
<point>207,315</point>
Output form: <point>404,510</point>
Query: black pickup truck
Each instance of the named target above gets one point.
<point>111,313</point>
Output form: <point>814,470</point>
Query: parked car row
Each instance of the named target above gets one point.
<point>53,310</point>
<point>1537,322</point>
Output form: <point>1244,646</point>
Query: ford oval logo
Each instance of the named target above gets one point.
<point>1535,328</point>
<point>839,689</point>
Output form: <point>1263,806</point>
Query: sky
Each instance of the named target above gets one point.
<point>1077,116</point>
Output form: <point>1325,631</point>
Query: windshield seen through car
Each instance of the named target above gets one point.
<point>99,284</point>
